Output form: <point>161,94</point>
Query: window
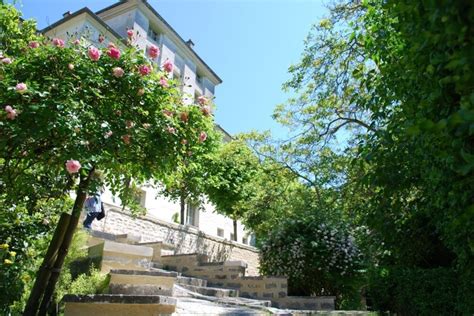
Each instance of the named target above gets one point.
<point>140,197</point>
<point>245,240</point>
<point>192,214</point>
<point>220,232</point>
<point>152,35</point>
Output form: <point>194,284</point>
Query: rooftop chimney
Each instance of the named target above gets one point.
<point>65,14</point>
<point>190,43</point>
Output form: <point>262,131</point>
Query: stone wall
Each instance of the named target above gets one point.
<point>185,239</point>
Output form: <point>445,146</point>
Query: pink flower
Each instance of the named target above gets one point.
<point>101,38</point>
<point>144,70</point>
<point>184,116</point>
<point>117,72</point>
<point>33,44</point>
<point>58,42</point>
<point>171,130</point>
<point>11,113</point>
<point>73,166</point>
<point>202,100</point>
<point>184,141</point>
<point>93,53</point>
<point>164,82</point>
<point>129,124</point>
<point>110,45</point>
<point>70,66</point>
<point>153,51</point>
<point>130,33</point>
<point>6,61</point>
<point>206,110</point>
<point>114,53</point>
<point>21,87</point>
<point>126,139</point>
<point>168,113</point>
<point>146,125</point>
<point>168,66</point>
<point>141,92</point>
<point>202,137</point>
<point>77,41</point>
<point>108,134</point>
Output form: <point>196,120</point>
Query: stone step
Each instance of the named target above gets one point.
<point>210,291</point>
<point>113,305</point>
<point>115,255</point>
<point>141,282</point>
<point>191,281</point>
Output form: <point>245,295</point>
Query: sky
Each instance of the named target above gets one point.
<point>249,44</point>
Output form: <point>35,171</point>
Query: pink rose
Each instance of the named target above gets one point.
<point>202,137</point>
<point>108,134</point>
<point>206,110</point>
<point>33,44</point>
<point>168,66</point>
<point>202,100</point>
<point>110,45</point>
<point>77,41</point>
<point>93,53</point>
<point>141,92</point>
<point>184,116</point>
<point>171,130</point>
<point>168,113</point>
<point>129,124</point>
<point>101,38</point>
<point>129,33</point>
<point>73,166</point>
<point>6,61</point>
<point>11,113</point>
<point>70,66</point>
<point>144,70</point>
<point>153,51</point>
<point>21,87</point>
<point>164,82</point>
<point>113,53</point>
<point>117,72</point>
<point>58,42</point>
<point>126,139</point>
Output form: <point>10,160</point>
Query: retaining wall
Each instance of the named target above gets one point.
<point>185,239</point>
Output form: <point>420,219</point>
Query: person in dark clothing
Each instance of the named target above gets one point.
<point>93,206</point>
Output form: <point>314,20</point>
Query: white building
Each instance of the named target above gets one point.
<point>199,79</point>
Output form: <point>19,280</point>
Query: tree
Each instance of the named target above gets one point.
<point>90,109</point>
<point>230,172</point>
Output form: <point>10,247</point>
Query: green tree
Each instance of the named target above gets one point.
<point>90,109</point>
<point>230,172</point>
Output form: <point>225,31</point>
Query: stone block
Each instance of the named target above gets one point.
<point>113,305</point>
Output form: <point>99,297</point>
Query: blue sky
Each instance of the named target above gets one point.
<point>249,43</point>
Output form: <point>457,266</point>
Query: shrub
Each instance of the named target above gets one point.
<point>318,258</point>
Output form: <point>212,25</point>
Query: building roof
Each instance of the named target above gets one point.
<point>157,15</point>
<point>77,13</point>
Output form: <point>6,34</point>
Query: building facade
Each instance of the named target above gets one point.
<point>198,79</point>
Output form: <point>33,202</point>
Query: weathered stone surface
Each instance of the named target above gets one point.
<point>306,303</point>
<point>185,240</point>
<point>140,289</point>
<point>149,273</point>
<point>191,281</point>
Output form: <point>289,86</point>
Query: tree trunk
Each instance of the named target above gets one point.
<point>182,203</point>
<point>235,229</point>
<point>63,250</point>
<point>44,272</point>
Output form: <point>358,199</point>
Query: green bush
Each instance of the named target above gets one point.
<point>318,258</point>
<point>415,291</point>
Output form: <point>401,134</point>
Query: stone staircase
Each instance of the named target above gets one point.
<point>147,279</point>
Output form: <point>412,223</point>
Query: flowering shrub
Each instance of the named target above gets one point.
<point>70,105</point>
<point>317,257</point>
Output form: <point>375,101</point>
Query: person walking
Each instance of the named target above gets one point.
<point>94,207</point>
